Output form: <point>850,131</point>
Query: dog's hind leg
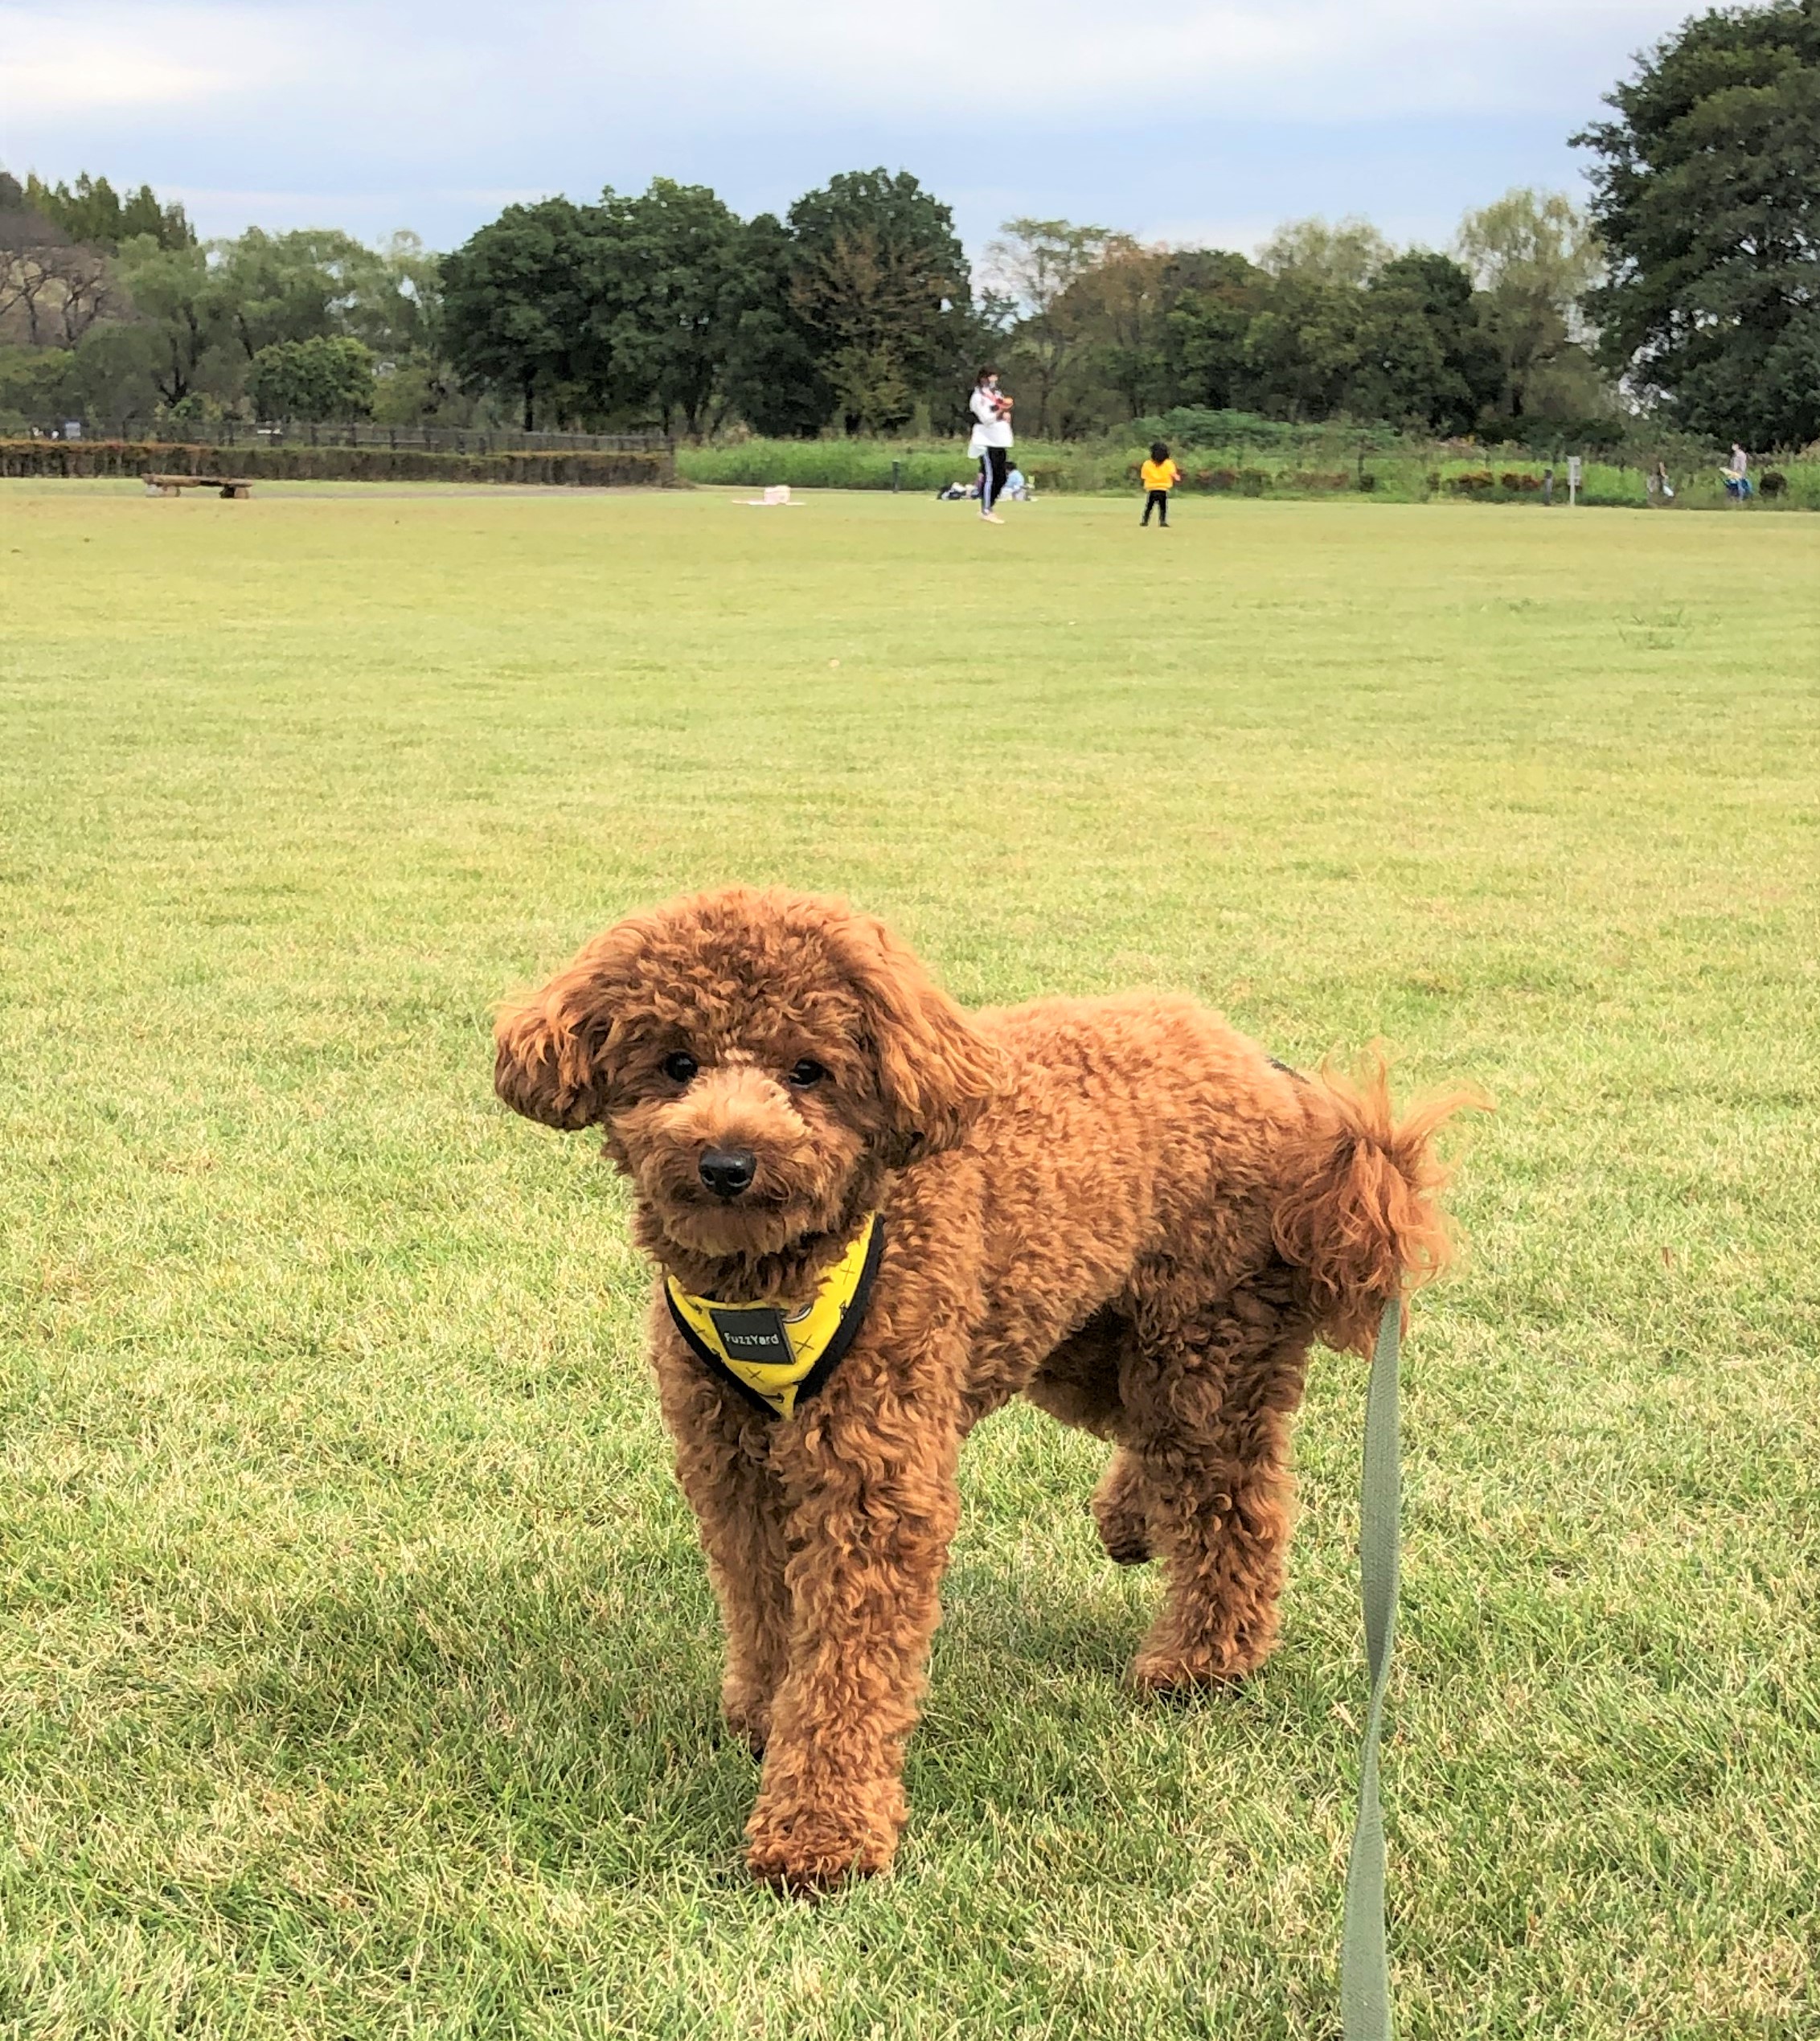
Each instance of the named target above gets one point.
<point>1122,1509</point>
<point>1206,1429</point>
<point>1078,1384</point>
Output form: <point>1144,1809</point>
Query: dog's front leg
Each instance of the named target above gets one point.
<point>873,1506</point>
<point>738,1504</point>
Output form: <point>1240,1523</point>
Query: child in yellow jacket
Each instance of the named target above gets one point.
<point>1159,475</point>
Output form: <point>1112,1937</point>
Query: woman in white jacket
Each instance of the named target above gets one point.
<point>991,441</point>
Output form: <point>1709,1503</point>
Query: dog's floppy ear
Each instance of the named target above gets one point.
<point>549,1062</point>
<point>936,1073</point>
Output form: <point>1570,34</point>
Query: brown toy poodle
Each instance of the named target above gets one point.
<point>877,1218</point>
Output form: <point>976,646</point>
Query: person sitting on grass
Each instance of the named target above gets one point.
<point>1017,489</point>
<point>1159,475</point>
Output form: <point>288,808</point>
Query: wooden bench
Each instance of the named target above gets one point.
<point>239,487</point>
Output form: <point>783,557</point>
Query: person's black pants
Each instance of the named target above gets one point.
<point>994,467</point>
<point>1157,500</point>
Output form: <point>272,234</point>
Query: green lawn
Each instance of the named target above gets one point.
<point>358,1669</point>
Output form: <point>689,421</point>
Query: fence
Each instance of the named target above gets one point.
<point>421,439</point>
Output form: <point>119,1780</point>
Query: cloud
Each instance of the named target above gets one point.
<point>1047,60</point>
<point>752,64</point>
<point>375,113</point>
<point>82,59</point>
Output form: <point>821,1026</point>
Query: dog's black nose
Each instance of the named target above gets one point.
<point>727,1171</point>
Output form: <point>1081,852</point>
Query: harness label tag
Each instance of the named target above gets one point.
<point>754,1334</point>
<point>770,1353</point>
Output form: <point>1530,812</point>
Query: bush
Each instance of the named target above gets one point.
<point>1189,427</point>
<point>90,457</point>
<point>1252,481</point>
<point>832,464</point>
<point>1475,482</point>
<point>1603,433</point>
<point>1774,483</point>
<point>1367,482</point>
<point>1518,484</point>
<point>317,378</point>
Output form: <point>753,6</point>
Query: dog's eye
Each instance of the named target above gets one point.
<point>804,1073</point>
<point>680,1068</point>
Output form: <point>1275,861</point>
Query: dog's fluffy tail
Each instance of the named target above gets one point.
<point>1362,1214</point>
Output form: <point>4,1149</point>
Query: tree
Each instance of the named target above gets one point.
<point>313,379</point>
<point>176,294</point>
<point>88,292</point>
<point>309,285</point>
<point>774,379</point>
<point>34,385</point>
<point>1122,327</point>
<point>318,284</point>
<point>112,373</point>
<point>861,295</point>
<point>1706,193</point>
<point>880,287</point>
<point>1346,255</point>
<point>516,303</point>
<point>1534,255</point>
<point>60,285</point>
<point>668,304</point>
<point>119,278</point>
<point>667,272</point>
<point>391,299</point>
<point>1422,357</point>
<point>1302,349</point>
<point>93,213</point>
<point>1034,264</point>
<point>1120,307</point>
<point>1206,331</point>
<point>34,256</point>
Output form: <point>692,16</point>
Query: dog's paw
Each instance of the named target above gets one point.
<point>1118,1515</point>
<point>1170,1673</point>
<point>1127,1544</point>
<point>747,1714</point>
<point>808,1851</point>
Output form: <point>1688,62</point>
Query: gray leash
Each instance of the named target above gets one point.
<point>1364,1960</point>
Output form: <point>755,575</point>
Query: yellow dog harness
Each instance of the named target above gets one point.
<point>776,1359</point>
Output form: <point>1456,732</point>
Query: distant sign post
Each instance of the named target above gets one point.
<point>1573,479</point>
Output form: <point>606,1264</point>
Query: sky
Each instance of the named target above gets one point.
<point>1204,121</point>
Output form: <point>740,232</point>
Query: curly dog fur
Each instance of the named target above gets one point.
<point>1117,1207</point>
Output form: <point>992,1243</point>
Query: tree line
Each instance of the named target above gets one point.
<point>1688,291</point>
<point>857,310</point>
<point>111,307</point>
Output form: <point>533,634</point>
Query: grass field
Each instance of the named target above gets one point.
<point>358,1669</point>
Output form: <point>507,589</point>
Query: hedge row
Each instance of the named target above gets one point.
<point>87,457</point>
